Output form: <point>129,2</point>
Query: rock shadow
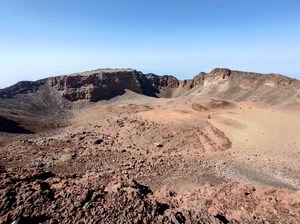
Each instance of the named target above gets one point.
<point>11,126</point>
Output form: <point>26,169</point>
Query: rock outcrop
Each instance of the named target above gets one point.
<point>272,89</point>
<point>162,81</point>
<point>97,86</point>
<point>36,196</point>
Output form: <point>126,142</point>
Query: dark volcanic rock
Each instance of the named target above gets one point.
<point>23,87</point>
<point>162,81</point>
<point>35,196</point>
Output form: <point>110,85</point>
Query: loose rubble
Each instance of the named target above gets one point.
<point>37,196</point>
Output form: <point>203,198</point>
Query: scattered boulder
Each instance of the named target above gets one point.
<point>98,141</point>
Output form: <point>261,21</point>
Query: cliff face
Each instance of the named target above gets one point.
<point>162,81</point>
<point>96,86</point>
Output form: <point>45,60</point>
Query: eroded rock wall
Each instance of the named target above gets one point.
<point>221,82</point>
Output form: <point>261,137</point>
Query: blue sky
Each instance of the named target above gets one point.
<point>39,38</point>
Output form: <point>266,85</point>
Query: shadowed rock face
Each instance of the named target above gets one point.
<point>24,87</point>
<point>10,126</point>
<point>162,81</point>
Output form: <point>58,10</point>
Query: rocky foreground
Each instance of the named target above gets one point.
<point>37,196</point>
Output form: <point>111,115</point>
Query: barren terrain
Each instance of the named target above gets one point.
<point>221,148</point>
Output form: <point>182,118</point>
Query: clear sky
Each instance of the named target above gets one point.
<point>41,38</point>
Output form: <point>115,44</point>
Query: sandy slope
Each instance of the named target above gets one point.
<point>265,141</point>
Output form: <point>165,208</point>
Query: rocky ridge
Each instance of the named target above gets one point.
<point>48,103</point>
<point>105,84</point>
